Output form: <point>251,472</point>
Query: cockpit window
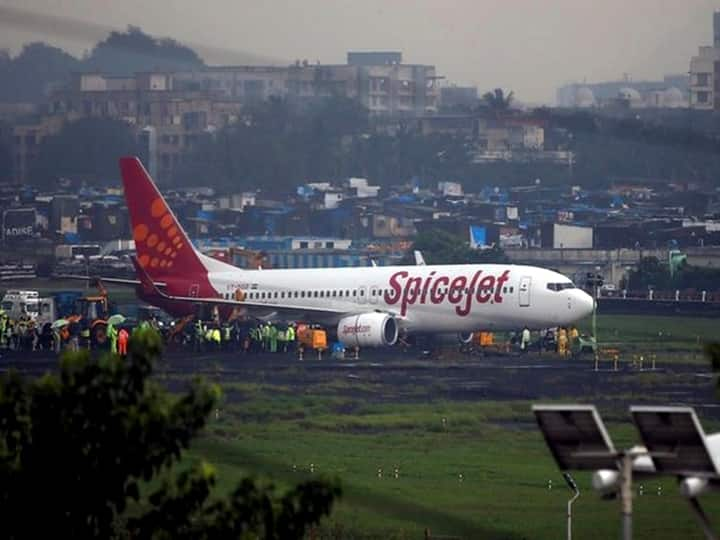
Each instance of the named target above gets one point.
<point>560,286</point>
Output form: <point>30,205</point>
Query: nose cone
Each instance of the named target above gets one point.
<point>585,304</point>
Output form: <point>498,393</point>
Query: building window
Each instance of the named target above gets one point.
<point>703,97</point>
<point>303,245</point>
<point>703,79</point>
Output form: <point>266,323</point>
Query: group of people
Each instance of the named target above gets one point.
<point>23,334</point>
<point>237,336</point>
<point>560,340</point>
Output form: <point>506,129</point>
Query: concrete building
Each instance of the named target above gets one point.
<point>170,116</point>
<point>26,139</point>
<point>171,110</point>
<point>373,58</point>
<point>378,80</point>
<point>705,73</point>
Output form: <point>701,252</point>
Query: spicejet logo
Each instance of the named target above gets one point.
<point>160,246</point>
<point>481,288</point>
<point>356,329</point>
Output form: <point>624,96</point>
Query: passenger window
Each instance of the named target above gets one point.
<point>315,294</point>
<point>334,293</point>
<point>354,292</point>
<point>302,294</point>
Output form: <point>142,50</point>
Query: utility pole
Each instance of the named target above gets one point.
<point>626,494</point>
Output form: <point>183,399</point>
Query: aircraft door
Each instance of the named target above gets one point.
<point>373,295</point>
<point>524,291</point>
<point>362,294</point>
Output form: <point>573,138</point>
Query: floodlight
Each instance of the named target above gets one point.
<point>570,481</point>
<point>576,436</point>
<point>676,441</point>
<point>678,446</point>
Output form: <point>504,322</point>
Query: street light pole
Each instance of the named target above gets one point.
<point>626,494</point>
<point>576,493</point>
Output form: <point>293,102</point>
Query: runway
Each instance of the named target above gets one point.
<point>529,377</point>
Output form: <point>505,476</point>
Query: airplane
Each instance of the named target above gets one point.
<point>369,306</point>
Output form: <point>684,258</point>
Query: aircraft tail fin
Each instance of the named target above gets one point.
<point>163,248</point>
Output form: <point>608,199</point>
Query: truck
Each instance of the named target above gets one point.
<point>21,304</point>
<point>90,310</point>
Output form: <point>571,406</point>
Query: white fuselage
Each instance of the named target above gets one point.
<point>424,299</point>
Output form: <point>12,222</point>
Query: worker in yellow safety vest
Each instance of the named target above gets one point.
<point>562,342</point>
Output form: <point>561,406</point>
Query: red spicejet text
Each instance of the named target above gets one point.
<point>436,289</point>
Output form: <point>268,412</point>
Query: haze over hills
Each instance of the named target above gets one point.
<point>532,47</point>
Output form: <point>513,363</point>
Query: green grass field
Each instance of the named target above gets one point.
<point>667,338</point>
<point>503,461</point>
<point>349,429</point>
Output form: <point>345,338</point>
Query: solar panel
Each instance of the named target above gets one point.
<point>576,437</point>
<point>675,440</point>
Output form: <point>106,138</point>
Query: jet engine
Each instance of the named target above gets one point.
<point>368,330</point>
<point>465,338</point>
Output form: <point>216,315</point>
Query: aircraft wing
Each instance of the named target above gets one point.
<point>118,281</point>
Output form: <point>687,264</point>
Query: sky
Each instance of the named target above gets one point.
<point>528,46</point>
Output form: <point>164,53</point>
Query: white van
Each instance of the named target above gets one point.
<point>21,303</point>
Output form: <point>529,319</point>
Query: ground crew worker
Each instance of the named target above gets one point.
<point>123,338</point>
<point>198,335</point>
<point>227,336</point>
<point>272,337</point>
<point>113,335</point>
<point>208,336</point>
<point>525,340</point>
<point>216,337</point>
<point>8,332</point>
<point>562,342</point>
<point>3,326</point>
<point>282,340</point>
<point>265,329</point>
<point>573,337</point>
<point>290,338</point>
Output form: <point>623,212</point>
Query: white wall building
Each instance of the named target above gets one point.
<point>703,73</point>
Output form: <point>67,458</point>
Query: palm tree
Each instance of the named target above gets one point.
<point>497,100</point>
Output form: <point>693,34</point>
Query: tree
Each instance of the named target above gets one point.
<point>78,448</point>
<point>650,273</point>
<point>497,101</point>
<point>442,247</point>
<point>135,51</point>
<point>86,149</point>
<point>27,77</point>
